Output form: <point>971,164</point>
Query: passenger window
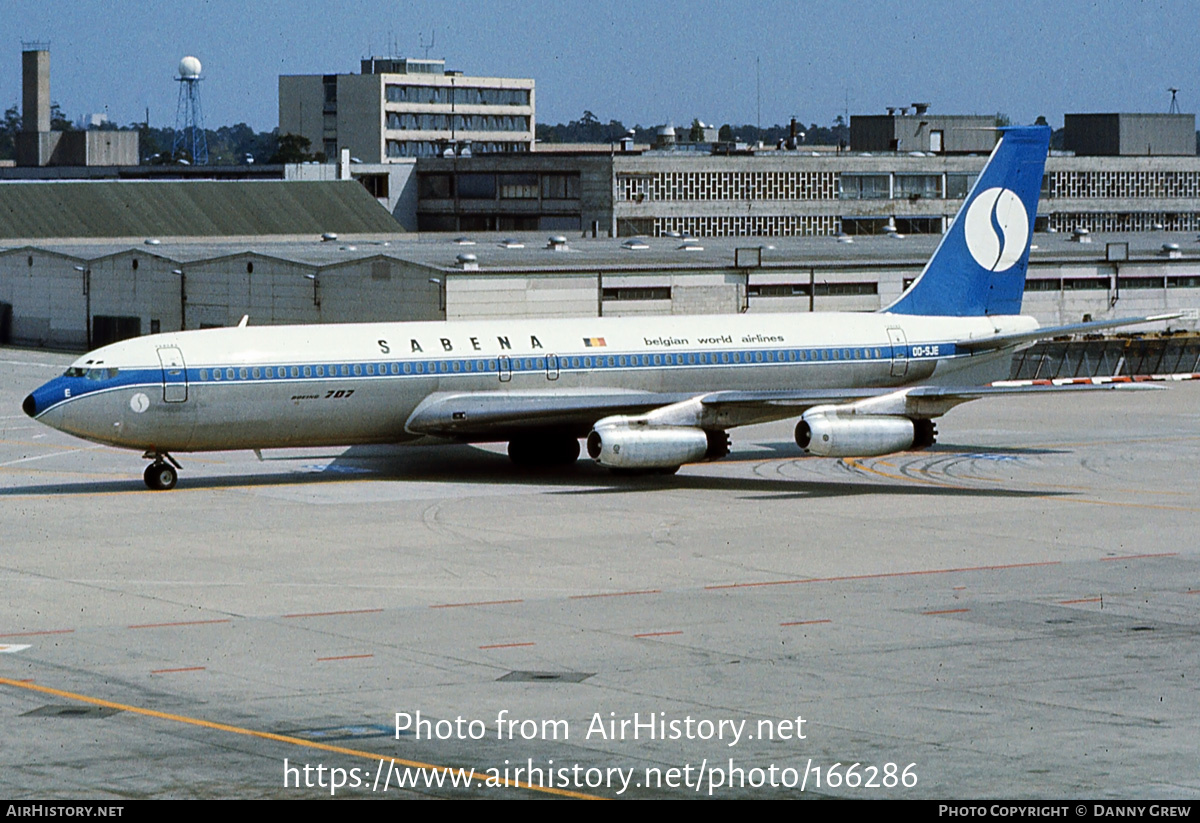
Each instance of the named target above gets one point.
<point>204,374</point>
<point>243,374</point>
<point>229,375</point>
<point>257,373</point>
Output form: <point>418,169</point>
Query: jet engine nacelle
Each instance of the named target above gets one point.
<point>620,446</point>
<point>829,435</point>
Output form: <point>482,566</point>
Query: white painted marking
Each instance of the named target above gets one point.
<point>139,403</point>
<point>39,457</point>
<point>54,366</point>
<point>10,648</point>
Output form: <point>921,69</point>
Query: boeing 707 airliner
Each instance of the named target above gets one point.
<point>648,394</point>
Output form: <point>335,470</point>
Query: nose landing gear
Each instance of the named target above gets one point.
<point>161,475</point>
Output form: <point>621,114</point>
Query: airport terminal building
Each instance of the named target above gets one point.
<point>619,232</point>
<point>1127,173</point>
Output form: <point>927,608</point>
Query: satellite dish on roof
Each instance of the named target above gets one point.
<point>189,68</point>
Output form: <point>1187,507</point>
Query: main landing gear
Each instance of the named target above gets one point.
<point>542,451</point>
<point>161,475</point>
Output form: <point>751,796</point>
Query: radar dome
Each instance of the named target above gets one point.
<point>189,68</point>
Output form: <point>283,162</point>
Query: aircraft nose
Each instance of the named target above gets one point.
<point>30,406</point>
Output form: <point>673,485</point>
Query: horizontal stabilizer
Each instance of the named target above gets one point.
<point>1002,341</point>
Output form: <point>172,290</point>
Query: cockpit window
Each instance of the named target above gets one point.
<point>92,373</point>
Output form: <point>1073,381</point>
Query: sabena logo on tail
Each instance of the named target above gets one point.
<point>997,229</point>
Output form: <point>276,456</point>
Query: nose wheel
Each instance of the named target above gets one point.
<point>161,475</point>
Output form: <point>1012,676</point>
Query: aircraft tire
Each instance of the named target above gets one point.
<point>160,476</point>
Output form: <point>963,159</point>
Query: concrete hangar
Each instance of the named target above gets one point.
<point>75,294</point>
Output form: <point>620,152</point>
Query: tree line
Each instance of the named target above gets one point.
<point>590,129</point>
<point>228,145</point>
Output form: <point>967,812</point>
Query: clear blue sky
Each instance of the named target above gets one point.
<point>640,62</point>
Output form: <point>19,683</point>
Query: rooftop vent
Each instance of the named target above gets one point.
<point>690,244</point>
<point>634,243</point>
<point>329,237</point>
<point>1171,250</point>
<point>464,241</point>
<point>920,108</point>
<point>1081,235</point>
<point>468,261</point>
<point>510,243</point>
<point>557,243</point>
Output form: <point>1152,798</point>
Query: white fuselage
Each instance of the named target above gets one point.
<point>266,387</point>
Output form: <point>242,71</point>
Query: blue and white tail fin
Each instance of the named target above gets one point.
<point>979,267</point>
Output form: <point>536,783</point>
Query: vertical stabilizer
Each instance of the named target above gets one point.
<point>979,267</point>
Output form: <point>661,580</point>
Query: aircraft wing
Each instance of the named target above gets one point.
<point>502,414</point>
<point>1002,341</point>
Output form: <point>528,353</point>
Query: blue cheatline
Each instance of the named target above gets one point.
<point>979,267</point>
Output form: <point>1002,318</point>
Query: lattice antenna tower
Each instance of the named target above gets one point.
<point>1174,103</point>
<point>189,117</point>
<point>429,45</point>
